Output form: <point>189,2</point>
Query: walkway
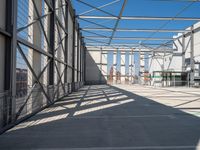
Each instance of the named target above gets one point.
<point>105,117</point>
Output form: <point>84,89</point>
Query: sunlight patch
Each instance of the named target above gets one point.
<point>38,122</point>
<point>103,107</point>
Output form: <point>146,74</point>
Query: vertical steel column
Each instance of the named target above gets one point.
<point>10,62</point>
<point>73,51</point>
<point>78,47</point>
<point>52,46</point>
<point>192,57</point>
<point>80,62</point>
<point>66,41</point>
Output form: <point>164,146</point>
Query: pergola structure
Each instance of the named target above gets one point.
<point>73,74</point>
<point>106,42</point>
<point>103,38</point>
<point>49,50</point>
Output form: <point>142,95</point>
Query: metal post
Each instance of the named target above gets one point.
<point>73,52</point>
<point>10,61</point>
<point>66,43</point>
<point>78,48</point>
<point>80,62</point>
<point>52,38</point>
<point>52,47</point>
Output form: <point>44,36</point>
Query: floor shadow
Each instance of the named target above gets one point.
<point>104,117</point>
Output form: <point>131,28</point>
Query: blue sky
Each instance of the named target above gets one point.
<point>155,8</point>
<point>140,8</point>
<point>133,8</point>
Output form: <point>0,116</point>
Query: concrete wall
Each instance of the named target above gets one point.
<point>93,73</point>
<point>97,66</point>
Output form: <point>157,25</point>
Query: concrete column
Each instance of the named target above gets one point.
<point>34,57</point>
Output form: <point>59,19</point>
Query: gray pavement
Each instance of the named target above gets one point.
<point>105,117</point>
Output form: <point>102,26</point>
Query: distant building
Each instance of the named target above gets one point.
<point>21,82</point>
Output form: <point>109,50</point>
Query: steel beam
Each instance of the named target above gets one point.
<point>117,22</point>
<point>89,5</point>
<point>34,47</point>
<point>129,49</point>
<point>140,18</point>
<point>124,44</point>
<point>113,2</point>
<point>129,38</point>
<point>66,42</point>
<point>73,52</point>
<point>52,45</point>
<point>77,74</point>
<point>136,30</point>
<point>5,33</point>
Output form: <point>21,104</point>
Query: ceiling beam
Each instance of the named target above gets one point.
<point>135,30</point>
<point>128,38</point>
<point>127,44</point>
<point>117,22</point>
<point>134,49</point>
<point>140,18</point>
<point>87,4</point>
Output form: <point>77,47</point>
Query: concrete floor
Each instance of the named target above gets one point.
<point>118,117</point>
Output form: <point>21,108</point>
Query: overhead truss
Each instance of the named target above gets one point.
<point>95,38</point>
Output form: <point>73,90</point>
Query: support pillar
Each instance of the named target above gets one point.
<point>51,51</point>
<point>8,24</point>
<point>66,47</point>
<point>36,100</point>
